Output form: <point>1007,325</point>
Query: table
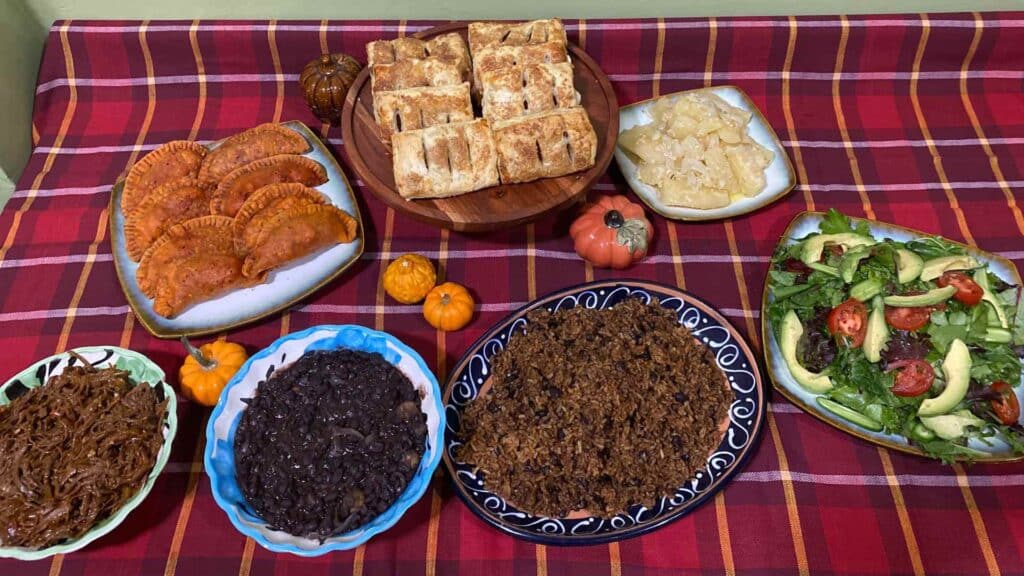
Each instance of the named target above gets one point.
<point>917,120</point>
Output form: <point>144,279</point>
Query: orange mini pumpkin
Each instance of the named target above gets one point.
<point>208,369</point>
<point>448,307</point>
<point>611,232</point>
<point>409,278</point>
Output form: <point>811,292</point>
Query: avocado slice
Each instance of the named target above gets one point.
<point>908,265</point>
<point>951,426</point>
<point>789,335</point>
<point>815,245</point>
<point>866,289</point>
<point>934,268</point>
<point>877,334</point>
<point>981,279</point>
<point>957,368</point>
<point>850,262</point>
<point>929,298</point>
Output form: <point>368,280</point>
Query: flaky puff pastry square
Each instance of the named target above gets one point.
<point>521,90</point>
<point>415,74</point>
<point>487,34</point>
<point>417,108</point>
<point>496,58</point>
<point>446,48</point>
<point>544,145</point>
<point>445,160</point>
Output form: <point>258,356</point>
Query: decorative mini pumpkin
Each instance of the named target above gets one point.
<point>208,369</point>
<point>325,83</point>
<point>409,278</point>
<point>448,307</point>
<point>611,232</point>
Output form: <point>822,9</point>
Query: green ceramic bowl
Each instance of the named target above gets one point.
<point>141,369</point>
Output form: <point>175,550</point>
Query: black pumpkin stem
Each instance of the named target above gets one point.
<point>613,219</point>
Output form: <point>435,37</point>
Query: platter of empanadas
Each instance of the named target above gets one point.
<point>480,126</point>
<point>209,237</point>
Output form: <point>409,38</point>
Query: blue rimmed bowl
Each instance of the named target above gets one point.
<point>219,458</point>
<point>140,369</point>
<point>741,429</point>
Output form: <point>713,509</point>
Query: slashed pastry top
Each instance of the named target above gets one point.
<point>417,108</point>
<point>169,162</point>
<point>544,145</point>
<point>253,144</point>
<point>446,48</point>
<point>444,160</point>
<point>519,90</point>
<point>415,74</point>
<point>487,34</point>
<point>497,58</point>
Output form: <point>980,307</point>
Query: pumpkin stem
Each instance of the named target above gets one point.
<point>613,219</point>
<point>206,363</point>
<point>325,62</point>
<point>446,299</point>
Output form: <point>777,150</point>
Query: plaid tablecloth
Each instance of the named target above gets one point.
<point>917,120</point>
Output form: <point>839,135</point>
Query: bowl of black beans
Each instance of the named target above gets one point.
<point>324,439</point>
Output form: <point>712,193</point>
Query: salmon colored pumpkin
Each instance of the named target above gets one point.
<point>611,232</point>
<point>448,307</point>
<point>208,369</point>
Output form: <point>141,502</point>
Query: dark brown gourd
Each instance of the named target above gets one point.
<point>325,82</point>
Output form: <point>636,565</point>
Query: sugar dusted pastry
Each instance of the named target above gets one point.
<point>544,145</point>
<point>260,142</point>
<point>266,203</point>
<point>415,74</point>
<point>446,48</point>
<point>167,205</point>
<point>497,58</point>
<point>417,108</point>
<point>171,161</point>
<point>487,34</point>
<point>520,90</point>
<point>444,160</point>
<point>295,233</point>
<point>239,184</point>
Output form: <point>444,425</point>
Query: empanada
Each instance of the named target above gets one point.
<point>417,108</point>
<point>239,184</point>
<point>208,234</point>
<point>446,47</point>
<point>260,142</point>
<point>529,89</point>
<point>174,160</point>
<point>296,233</point>
<point>415,74</point>
<point>174,202</point>
<point>266,203</point>
<point>444,160</point>
<point>502,57</point>
<point>544,145</point>
<point>199,278</point>
<point>487,34</point>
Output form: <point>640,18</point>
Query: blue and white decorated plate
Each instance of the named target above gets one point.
<point>219,457</point>
<point>746,416</point>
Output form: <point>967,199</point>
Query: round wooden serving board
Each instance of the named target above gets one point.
<point>498,206</point>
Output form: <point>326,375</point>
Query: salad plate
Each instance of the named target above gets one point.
<point>934,372</point>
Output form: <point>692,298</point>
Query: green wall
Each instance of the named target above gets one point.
<point>23,25</point>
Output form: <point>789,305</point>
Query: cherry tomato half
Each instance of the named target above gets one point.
<point>967,290</point>
<point>914,377</point>
<point>1007,408</point>
<point>849,321</point>
<point>911,319</point>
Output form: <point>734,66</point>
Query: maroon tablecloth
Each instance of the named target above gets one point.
<point>907,119</point>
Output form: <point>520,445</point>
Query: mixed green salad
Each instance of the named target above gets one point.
<point>912,338</point>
